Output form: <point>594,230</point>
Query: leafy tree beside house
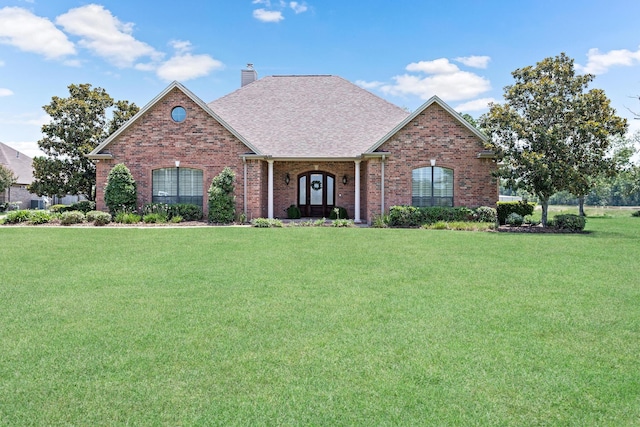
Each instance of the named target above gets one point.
<point>550,134</point>
<point>7,178</point>
<point>78,124</point>
<point>222,202</point>
<point>120,193</point>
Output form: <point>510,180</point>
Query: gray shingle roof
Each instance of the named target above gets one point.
<point>18,163</point>
<point>308,116</point>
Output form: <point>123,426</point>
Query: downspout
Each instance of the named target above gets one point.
<point>382,185</point>
<point>270,191</point>
<point>357,195</point>
<point>244,185</point>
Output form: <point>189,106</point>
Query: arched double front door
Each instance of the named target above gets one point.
<point>316,193</point>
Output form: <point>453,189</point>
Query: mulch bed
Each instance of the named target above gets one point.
<point>536,229</point>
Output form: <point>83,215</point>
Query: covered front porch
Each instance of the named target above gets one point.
<point>316,186</point>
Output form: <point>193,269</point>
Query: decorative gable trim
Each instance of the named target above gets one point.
<point>417,112</point>
<point>97,154</point>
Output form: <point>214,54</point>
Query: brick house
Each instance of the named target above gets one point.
<point>21,166</point>
<point>314,141</point>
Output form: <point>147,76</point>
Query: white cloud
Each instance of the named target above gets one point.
<point>437,66</point>
<point>474,61</point>
<point>475,105</point>
<point>30,33</point>
<point>298,7</point>
<point>268,15</point>
<point>183,65</point>
<point>186,66</point>
<point>5,92</point>
<point>180,45</point>
<point>599,63</point>
<point>104,34</point>
<point>444,79</point>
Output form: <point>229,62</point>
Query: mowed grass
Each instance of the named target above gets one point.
<point>320,326</point>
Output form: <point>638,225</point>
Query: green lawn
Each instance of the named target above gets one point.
<point>320,326</point>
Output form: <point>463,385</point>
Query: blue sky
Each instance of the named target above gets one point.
<point>404,51</point>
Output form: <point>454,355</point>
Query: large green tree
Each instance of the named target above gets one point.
<point>7,178</point>
<point>78,124</point>
<point>551,134</point>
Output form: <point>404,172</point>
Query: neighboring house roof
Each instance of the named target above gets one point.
<point>308,116</point>
<point>97,152</point>
<point>18,163</point>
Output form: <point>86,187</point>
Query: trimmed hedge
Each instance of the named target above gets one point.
<point>521,208</point>
<point>411,216</point>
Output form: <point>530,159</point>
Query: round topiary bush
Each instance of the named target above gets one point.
<point>120,193</point>
<point>514,220</point>
<point>72,217</point>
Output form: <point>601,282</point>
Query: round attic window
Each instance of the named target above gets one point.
<point>178,114</point>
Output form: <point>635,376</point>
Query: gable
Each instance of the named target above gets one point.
<point>434,114</point>
<point>173,93</point>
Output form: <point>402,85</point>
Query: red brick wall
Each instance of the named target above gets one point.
<point>200,142</point>
<point>433,134</point>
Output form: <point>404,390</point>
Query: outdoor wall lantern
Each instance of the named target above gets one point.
<point>287,179</point>
<point>345,180</point>
<point>433,162</point>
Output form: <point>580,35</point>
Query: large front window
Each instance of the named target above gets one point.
<point>177,185</point>
<point>432,186</point>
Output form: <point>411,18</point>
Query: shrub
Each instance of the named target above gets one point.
<point>266,223</point>
<point>175,219</point>
<point>40,217</point>
<point>411,216</point>
<point>222,202</point>
<point>154,218</point>
<point>404,216</point>
<point>515,219</point>
<point>16,217</point>
<point>440,225</point>
<point>485,214</point>
<point>636,214</point>
<point>127,218</point>
<point>98,217</point>
<point>338,213</point>
<point>83,206</point>
<point>72,217</point>
<point>57,208</point>
<point>188,211</point>
<point>343,223</point>
<point>156,208</point>
<point>522,208</point>
<point>293,212</point>
<point>120,193</point>
<point>380,221</point>
<point>569,222</point>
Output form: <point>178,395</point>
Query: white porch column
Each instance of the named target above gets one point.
<point>270,191</point>
<point>357,198</point>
